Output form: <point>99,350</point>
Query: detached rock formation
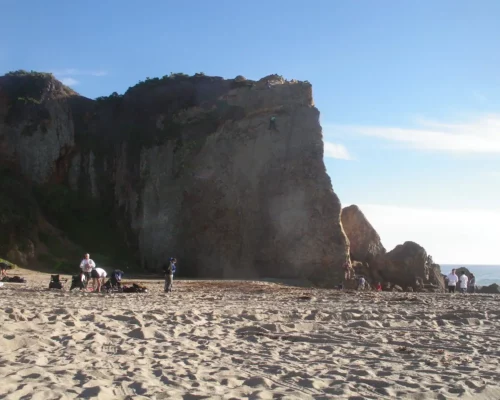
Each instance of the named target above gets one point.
<point>185,166</point>
<point>365,244</point>
<point>407,266</point>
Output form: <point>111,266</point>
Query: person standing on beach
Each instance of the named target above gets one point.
<point>472,284</point>
<point>87,265</point>
<point>3,270</point>
<point>452,279</point>
<point>463,282</point>
<point>272,123</point>
<point>170,269</point>
<point>361,283</point>
<point>347,269</point>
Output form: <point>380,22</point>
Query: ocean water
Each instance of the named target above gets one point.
<point>485,274</point>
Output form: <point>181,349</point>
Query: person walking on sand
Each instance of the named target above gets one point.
<point>472,284</point>
<point>98,277</point>
<point>464,279</point>
<point>272,124</point>
<point>86,266</point>
<point>169,270</point>
<point>452,279</point>
<point>361,283</point>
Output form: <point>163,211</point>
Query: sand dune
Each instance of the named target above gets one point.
<point>256,340</point>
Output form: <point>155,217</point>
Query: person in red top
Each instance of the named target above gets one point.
<point>378,288</point>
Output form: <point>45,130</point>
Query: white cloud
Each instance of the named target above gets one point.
<point>453,236</point>
<point>68,81</point>
<point>480,135</point>
<point>74,72</point>
<point>335,150</point>
<point>99,73</point>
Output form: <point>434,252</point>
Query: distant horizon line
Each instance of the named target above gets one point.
<point>475,265</point>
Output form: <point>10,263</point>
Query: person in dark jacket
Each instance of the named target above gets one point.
<point>272,124</point>
<point>3,269</point>
<point>169,270</point>
<point>472,284</point>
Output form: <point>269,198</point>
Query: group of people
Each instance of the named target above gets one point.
<point>466,284</point>
<point>90,270</point>
<point>98,275</point>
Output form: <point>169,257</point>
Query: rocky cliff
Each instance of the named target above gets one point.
<point>184,166</point>
<point>408,265</point>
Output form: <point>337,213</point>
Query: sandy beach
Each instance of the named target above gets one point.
<point>256,340</point>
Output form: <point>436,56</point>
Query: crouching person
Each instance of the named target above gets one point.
<point>98,277</point>
<point>169,270</point>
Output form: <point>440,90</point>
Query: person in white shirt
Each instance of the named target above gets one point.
<point>86,265</point>
<point>452,281</point>
<point>98,277</point>
<point>464,279</point>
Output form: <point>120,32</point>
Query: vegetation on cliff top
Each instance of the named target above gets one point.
<point>25,91</point>
<point>26,87</point>
<point>29,86</point>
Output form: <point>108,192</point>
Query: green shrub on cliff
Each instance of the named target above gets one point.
<point>31,74</point>
<point>113,97</point>
<point>18,211</point>
<point>27,87</point>
<point>175,75</point>
<point>13,266</point>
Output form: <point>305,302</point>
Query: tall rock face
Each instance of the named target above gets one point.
<point>194,167</point>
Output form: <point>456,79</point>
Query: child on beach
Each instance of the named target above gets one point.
<point>463,282</point>
<point>361,283</point>
<point>169,270</point>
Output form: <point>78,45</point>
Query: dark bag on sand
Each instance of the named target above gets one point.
<point>55,282</point>
<point>135,288</point>
<point>77,282</point>
<point>14,279</point>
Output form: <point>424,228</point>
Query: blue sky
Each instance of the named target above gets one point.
<point>409,92</point>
